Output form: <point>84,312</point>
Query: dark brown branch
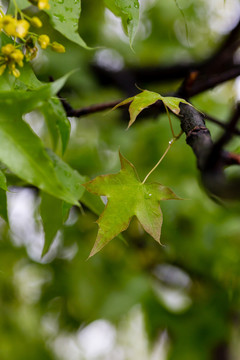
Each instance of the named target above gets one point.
<point>231,158</point>
<point>217,149</point>
<point>109,105</point>
<point>127,78</point>
<point>221,351</point>
<point>199,138</point>
<point>230,127</point>
<point>88,109</point>
<point>206,83</point>
<point>219,123</point>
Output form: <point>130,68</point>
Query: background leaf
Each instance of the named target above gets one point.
<point>57,122</point>
<point>128,10</point>
<point>15,101</point>
<point>51,210</point>
<point>23,152</point>
<point>3,181</point>
<point>64,16</point>
<point>3,196</point>
<point>3,205</point>
<point>69,178</point>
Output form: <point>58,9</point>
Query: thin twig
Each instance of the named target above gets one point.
<point>159,161</point>
<point>215,154</point>
<point>221,124</point>
<point>88,109</point>
<point>209,82</point>
<point>169,119</point>
<point>230,127</point>
<point>170,144</point>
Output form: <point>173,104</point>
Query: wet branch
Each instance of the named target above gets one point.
<point>212,172</point>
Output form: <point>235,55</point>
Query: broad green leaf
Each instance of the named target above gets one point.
<point>69,178</point>
<point>50,120</point>
<point>51,210</point>
<point>22,4</point>
<point>146,98</point>
<point>56,85</point>
<point>128,196</point>
<point>64,15</point>
<point>14,101</point>
<point>6,82</point>
<point>65,210</point>
<point>128,10</point>
<point>23,153</point>
<point>26,93</point>
<point>3,197</point>
<point>3,181</point>
<point>27,79</point>
<point>92,202</point>
<point>54,211</point>
<point>57,122</point>
<point>3,205</point>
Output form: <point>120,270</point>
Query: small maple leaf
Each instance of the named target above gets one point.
<point>127,196</point>
<point>146,98</point>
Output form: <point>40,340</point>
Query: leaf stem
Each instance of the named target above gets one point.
<point>169,119</point>
<point>184,19</point>
<point>170,144</point>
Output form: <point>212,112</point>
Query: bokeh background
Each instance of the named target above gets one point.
<point>135,299</point>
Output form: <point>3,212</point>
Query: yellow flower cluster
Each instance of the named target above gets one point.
<point>10,57</point>
<point>13,27</point>
<point>44,42</point>
<point>13,54</point>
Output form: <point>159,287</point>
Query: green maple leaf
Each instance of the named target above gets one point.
<point>128,196</point>
<point>146,98</point>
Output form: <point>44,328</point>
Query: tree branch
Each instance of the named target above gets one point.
<point>208,82</point>
<point>221,124</point>
<point>199,138</point>
<point>88,109</point>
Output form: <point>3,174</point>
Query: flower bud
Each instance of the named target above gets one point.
<point>17,56</point>
<point>9,24</point>
<point>7,49</point>
<point>58,47</point>
<point>44,41</point>
<point>16,73</point>
<point>22,28</point>
<point>35,21</point>
<point>43,4</point>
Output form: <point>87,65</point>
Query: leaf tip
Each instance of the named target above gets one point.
<point>44,250</point>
